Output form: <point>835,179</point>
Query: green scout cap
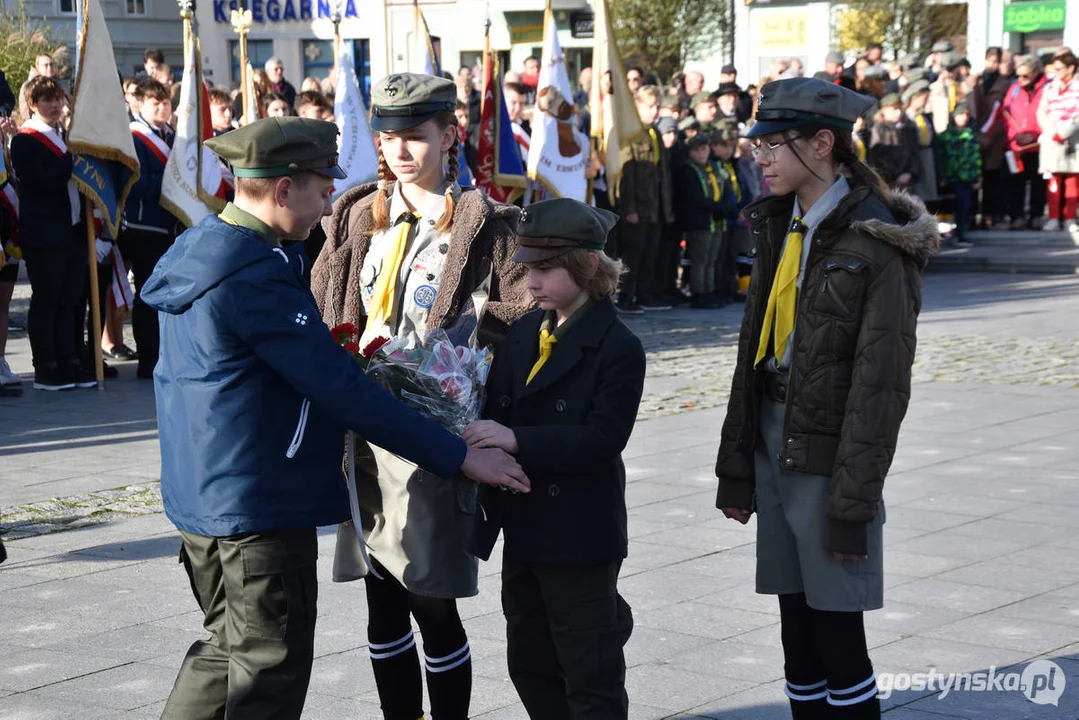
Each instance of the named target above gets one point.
<point>950,60</point>
<point>890,100</point>
<point>278,146</point>
<point>405,100</point>
<point>551,228</point>
<point>689,123</point>
<point>669,101</point>
<point>726,130</point>
<point>917,73</point>
<point>787,104</point>
<point>916,87</point>
<point>703,97</point>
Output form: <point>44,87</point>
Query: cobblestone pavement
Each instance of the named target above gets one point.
<point>981,566</point>
<point>974,328</point>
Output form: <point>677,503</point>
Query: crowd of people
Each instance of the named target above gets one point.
<point>993,149</point>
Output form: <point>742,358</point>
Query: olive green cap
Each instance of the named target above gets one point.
<point>703,97</point>
<point>279,146</point>
<point>551,228</point>
<point>787,104</point>
<point>669,101</point>
<point>405,100</point>
<point>891,100</point>
<point>698,140</point>
<point>725,131</point>
<point>916,87</point>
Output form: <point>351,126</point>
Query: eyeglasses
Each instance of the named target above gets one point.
<point>768,150</point>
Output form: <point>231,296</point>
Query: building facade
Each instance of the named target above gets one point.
<point>766,30</point>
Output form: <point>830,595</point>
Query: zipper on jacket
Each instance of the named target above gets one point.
<point>301,428</point>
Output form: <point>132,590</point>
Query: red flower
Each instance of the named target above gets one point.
<point>374,346</point>
<point>353,347</point>
<point>346,333</point>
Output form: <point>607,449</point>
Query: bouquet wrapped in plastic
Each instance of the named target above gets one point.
<point>443,377</point>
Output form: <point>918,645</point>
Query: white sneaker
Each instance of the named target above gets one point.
<point>1051,226</point>
<point>6,376</point>
<point>1073,226</point>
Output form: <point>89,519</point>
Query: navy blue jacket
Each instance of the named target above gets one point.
<point>143,210</point>
<point>696,211</point>
<point>254,395</point>
<point>572,423</point>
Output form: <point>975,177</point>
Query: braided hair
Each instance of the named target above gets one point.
<point>845,154</point>
<point>380,210</point>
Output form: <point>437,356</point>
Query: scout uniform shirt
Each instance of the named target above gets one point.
<point>241,218</point>
<point>421,267</point>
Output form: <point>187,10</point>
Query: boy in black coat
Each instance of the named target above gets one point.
<point>565,406</point>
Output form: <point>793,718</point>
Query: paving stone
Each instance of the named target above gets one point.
<point>127,687</point>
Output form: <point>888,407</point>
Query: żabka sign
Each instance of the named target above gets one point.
<point>263,11</point>
<point>1028,17</point>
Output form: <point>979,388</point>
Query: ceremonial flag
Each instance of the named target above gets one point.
<point>104,162</point>
<point>253,111</point>
<point>193,186</point>
<point>557,154</point>
<point>500,171</point>
<point>424,59</point>
<point>615,122</point>
<point>357,155</point>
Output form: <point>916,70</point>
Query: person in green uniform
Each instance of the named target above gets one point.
<point>253,395</point>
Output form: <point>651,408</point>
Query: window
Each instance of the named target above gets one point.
<point>258,52</point>
<point>135,7</point>
<point>67,7</point>
<point>361,55</point>
<point>317,59</point>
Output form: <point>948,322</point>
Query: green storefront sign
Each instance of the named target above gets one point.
<point>1028,17</point>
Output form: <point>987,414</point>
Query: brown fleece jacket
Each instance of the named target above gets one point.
<point>483,235</point>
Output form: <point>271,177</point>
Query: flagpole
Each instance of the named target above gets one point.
<point>95,307</point>
<point>537,192</point>
<point>415,31</point>
<point>241,22</point>
<point>335,15</point>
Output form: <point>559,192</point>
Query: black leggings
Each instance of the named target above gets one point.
<point>828,671</point>
<point>395,660</point>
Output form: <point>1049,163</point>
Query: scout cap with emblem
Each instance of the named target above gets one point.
<point>279,146</point>
<point>701,98</point>
<point>405,100</point>
<point>915,88</point>
<point>786,104</point>
<point>551,228</point>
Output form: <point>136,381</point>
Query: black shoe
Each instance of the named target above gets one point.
<point>630,309</point>
<point>110,373</point>
<point>144,373</point>
<point>701,302</point>
<point>651,305</point>
<point>738,297</point>
<point>83,377</point>
<point>15,326</point>
<point>121,352</point>
<point>10,391</point>
<point>962,243</point>
<point>52,378</point>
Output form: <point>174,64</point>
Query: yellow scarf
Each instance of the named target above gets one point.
<point>654,137</point>
<point>733,174</point>
<point>783,298</point>
<point>712,179</point>
<point>951,97</point>
<point>859,145</point>
<point>382,299</point>
<point>923,130</point>
<point>547,342</point>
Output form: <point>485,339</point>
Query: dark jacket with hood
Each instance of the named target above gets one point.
<point>854,342</point>
<point>254,395</point>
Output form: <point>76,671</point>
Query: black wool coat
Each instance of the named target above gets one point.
<point>572,423</point>
<point>44,205</point>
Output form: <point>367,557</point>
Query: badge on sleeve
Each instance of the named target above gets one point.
<point>424,296</point>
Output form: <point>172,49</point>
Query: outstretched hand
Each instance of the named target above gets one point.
<point>488,433</point>
<point>495,467</point>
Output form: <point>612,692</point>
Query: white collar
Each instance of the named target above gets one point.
<point>433,208</point>
<point>828,202</point>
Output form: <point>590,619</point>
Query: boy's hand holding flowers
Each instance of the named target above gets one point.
<point>488,433</point>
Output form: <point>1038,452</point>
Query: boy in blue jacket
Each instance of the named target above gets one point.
<point>707,199</point>
<point>562,396</point>
<point>253,397</point>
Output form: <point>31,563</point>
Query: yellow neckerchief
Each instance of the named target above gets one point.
<point>547,342</point>
<point>550,334</point>
<point>951,96</point>
<point>654,137</point>
<point>782,300</point>
<point>385,292</point>
<point>859,145</point>
<point>733,174</point>
<point>923,130</point>
<point>714,182</point>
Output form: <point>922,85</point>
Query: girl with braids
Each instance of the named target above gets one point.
<point>401,258</point>
<point>822,384</point>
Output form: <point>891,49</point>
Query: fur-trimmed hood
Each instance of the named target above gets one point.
<point>482,243</point>
<point>903,222</point>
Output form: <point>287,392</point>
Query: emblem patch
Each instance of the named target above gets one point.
<point>424,296</point>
